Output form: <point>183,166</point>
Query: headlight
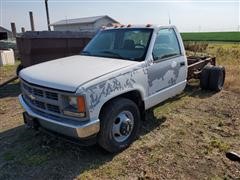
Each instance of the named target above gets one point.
<point>75,106</point>
<point>72,101</point>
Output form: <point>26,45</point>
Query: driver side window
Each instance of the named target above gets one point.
<point>166,45</point>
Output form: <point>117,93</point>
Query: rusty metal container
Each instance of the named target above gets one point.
<point>40,46</point>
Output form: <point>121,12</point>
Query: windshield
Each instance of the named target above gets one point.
<point>131,44</point>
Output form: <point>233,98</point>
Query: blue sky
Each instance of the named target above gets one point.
<point>187,15</point>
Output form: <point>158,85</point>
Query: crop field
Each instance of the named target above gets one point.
<point>212,36</point>
<point>184,138</point>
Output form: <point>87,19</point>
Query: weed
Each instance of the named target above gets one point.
<point>8,156</point>
<point>220,145</point>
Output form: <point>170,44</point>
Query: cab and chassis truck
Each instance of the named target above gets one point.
<point>100,95</point>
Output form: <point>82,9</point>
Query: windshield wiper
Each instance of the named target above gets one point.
<point>85,53</point>
<point>113,53</point>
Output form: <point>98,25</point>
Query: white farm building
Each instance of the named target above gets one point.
<point>86,24</point>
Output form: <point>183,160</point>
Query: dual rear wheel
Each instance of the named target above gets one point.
<point>212,78</point>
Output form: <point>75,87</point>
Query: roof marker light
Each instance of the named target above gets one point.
<point>148,25</point>
<point>129,25</point>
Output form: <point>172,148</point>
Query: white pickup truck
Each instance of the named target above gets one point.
<point>101,95</point>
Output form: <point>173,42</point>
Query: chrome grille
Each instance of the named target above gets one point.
<point>38,92</point>
<point>53,108</point>
<point>39,104</point>
<point>27,88</point>
<point>41,98</point>
<point>51,95</point>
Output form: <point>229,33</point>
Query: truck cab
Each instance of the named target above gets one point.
<point>101,94</point>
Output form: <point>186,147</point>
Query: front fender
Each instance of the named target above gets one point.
<point>100,93</point>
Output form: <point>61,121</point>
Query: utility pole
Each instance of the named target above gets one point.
<point>31,20</point>
<point>23,29</point>
<point>48,20</point>
<point>14,31</point>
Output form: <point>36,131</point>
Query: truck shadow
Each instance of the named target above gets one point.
<point>25,152</point>
<point>151,122</point>
<point>10,90</point>
<point>193,89</point>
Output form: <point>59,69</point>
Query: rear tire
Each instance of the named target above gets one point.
<point>216,78</point>
<point>116,134</point>
<point>204,77</point>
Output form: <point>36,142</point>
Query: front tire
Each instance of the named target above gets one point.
<point>120,122</point>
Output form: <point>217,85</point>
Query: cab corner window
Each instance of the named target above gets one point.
<point>166,45</point>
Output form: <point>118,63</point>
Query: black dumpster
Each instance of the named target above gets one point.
<point>40,46</point>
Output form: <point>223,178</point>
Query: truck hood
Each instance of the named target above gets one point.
<point>69,73</point>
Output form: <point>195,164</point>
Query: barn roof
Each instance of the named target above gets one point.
<point>2,29</point>
<point>83,20</point>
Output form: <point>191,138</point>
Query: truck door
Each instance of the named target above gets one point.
<point>168,72</point>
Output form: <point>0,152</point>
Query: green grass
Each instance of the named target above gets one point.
<point>212,36</point>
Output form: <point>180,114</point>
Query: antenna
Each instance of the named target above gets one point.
<point>66,19</point>
<point>169,19</point>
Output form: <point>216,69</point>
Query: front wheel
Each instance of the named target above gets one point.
<point>120,124</point>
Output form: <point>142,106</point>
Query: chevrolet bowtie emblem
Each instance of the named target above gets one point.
<point>32,97</point>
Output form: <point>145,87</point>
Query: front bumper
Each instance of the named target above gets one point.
<point>71,128</point>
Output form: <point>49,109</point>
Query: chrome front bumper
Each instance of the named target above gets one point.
<point>66,127</point>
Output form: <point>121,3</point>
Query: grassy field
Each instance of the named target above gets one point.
<point>227,54</point>
<point>212,36</point>
<point>183,138</point>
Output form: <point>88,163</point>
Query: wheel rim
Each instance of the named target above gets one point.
<point>122,126</point>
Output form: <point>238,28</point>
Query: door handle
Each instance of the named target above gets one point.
<point>182,63</point>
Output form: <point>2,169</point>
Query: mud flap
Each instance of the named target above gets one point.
<point>30,122</point>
